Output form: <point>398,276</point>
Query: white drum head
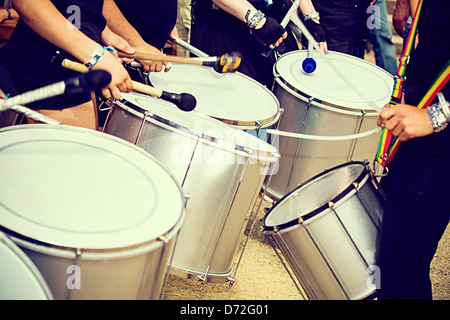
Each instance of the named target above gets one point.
<point>19,277</point>
<point>325,85</point>
<point>79,188</point>
<point>199,124</point>
<point>231,97</point>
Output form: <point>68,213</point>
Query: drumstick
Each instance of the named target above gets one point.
<point>183,101</point>
<point>223,64</point>
<point>189,47</point>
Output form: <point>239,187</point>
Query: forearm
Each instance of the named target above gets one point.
<point>43,17</point>
<point>237,9</point>
<point>413,6</point>
<point>306,6</point>
<point>119,24</point>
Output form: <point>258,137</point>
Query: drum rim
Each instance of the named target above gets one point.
<point>243,124</point>
<point>299,220</point>
<point>317,102</point>
<point>176,184</point>
<point>46,248</point>
<point>270,150</point>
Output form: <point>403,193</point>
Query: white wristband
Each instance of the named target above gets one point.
<point>95,56</point>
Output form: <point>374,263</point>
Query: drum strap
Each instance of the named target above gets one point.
<point>436,87</point>
<point>384,155</point>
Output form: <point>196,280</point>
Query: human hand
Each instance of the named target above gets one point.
<point>270,32</point>
<point>120,79</point>
<point>109,38</point>
<point>152,66</point>
<point>317,32</point>
<point>3,15</point>
<point>400,16</point>
<point>405,121</point>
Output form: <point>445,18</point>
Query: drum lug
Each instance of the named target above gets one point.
<point>163,239</point>
<point>187,197</point>
<point>109,103</point>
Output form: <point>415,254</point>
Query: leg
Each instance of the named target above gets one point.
<point>83,115</point>
<point>416,215</point>
<point>381,38</point>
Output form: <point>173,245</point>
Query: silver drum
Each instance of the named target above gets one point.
<point>232,98</point>
<point>97,215</point>
<point>220,168</point>
<point>322,105</point>
<point>20,279</point>
<point>327,230</point>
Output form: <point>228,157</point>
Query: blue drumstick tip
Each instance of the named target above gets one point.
<point>309,65</point>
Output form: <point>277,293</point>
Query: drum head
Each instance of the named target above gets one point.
<point>79,188</point>
<point>231,97</point>
<point>197,124</point>
<point>19,277</point>
<point>325,84</point>
<point>313,196</point>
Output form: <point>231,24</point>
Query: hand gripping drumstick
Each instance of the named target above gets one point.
<point>284,23</point>
<point>224,64</point>
<point>183,101</point>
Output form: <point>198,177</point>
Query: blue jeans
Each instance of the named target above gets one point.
<point>381,39</point>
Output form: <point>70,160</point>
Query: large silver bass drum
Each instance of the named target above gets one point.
<point>335,123</point>
<point>221,168</point>
<point>97,215</point>
<point>327,230</point>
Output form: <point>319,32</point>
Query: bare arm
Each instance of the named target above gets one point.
<point>38,13</point>
<point>119,25</point>
<point>43,17</point>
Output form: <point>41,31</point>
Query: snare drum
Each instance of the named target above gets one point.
<point>19,277</point>
<point>232,98</point>
<point>221,169</point>
<point>97,215</point>
<point>322,105</point>
<point>327,230</point>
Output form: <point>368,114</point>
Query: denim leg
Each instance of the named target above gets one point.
<point>381,39</point>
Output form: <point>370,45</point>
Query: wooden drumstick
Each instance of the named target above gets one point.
<point>224,64</point>
<point>183,101</point>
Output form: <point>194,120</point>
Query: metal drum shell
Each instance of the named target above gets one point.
<point>330,253</point>
<point>301,159</point>
<point>135,270</point>
<point>20,279</point>
<point>221,181</point>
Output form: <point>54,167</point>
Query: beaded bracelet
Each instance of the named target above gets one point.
<point>444,104</point>
<point>311,16</point>
<point>437,116</point>
<point>253,17</point>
